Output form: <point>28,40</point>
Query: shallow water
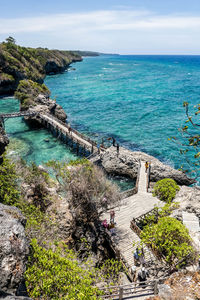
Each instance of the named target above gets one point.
<point>36,145</point>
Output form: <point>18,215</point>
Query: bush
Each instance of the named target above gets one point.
<point>170,238</point>
<point>56,274</point>
<point>166,189</point>
<point>28,90</point>
<point>9,192</point>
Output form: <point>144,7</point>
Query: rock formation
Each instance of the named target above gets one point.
<point>127,163</point>
<point>43,104</point>
<point>189,199</point>
<point>13,249</point>
<point>3,139</point>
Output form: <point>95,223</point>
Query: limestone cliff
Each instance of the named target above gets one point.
<point>13,249</point>
<point>18,63</point>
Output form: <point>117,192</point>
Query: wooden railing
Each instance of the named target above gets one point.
<point>128,193</point>
<point>152,212</point>
<point>119,255</point>
<point>138,176</point>
<point>138,231</point>
<point>148,177</point>
<point>85,138</point>
<point>17,114</point>
<point>136,289</point>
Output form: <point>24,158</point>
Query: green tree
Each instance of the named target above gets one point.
<point>170,238</point>
<point>11,40</point>
<point>165,189</point>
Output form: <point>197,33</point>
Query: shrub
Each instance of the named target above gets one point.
<point>56,274</point>
<point>9,193</point>
<point>28,90</point>
<point>170,238</point>
<point>166,189</point>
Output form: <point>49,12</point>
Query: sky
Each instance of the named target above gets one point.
<point>109,26</point>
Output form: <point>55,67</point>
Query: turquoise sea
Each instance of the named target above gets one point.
<point>136,99</point>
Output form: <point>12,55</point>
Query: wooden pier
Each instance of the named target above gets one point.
<point>81,144</point>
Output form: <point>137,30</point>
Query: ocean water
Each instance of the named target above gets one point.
<point>136,99</point>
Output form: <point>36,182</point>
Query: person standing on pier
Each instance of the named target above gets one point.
<point>69,129</point>
<point>114,140</point>
<point>117,149</point>
<point>146,166</point>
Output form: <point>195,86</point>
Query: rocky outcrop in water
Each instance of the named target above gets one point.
<point>127,163</point>
<point>46,105</point>
<point>13,249</point>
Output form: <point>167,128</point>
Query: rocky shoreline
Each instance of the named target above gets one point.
<point>127,163</point>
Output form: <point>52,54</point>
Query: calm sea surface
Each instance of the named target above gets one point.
<point>136,99</point>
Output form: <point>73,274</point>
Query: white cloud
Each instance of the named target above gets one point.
<point>99,20</point>
<point>109,28</point>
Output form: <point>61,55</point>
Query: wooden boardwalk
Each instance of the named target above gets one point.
<point>64,129</point>
<point>61,128</point>
<point>17,114</point>
<point>133,207</point>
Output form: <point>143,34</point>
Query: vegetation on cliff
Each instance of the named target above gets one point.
<point>28,90</point>
<point>91,192</point>
<point>170,238</point>
<point>53,270</point>
<point>166,189</point>
<point>18,63</point>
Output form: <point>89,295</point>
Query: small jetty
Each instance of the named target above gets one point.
<point>81,144</point>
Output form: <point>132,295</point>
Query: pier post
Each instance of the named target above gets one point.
<point>120,293</point>
<point>77,148</point>
<point>156,287</point>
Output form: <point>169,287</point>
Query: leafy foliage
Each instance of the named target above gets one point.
<point>28,90</point>
<point>169,237</point>
<point>166,189</point>
<point>56,274</point>
<point>9,192</point>
<point>159,212</point>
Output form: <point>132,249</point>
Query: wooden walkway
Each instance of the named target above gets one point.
<point>64,129</point>
<point>61,128</point>
<point>18,114</point>
<point>133,207</point>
